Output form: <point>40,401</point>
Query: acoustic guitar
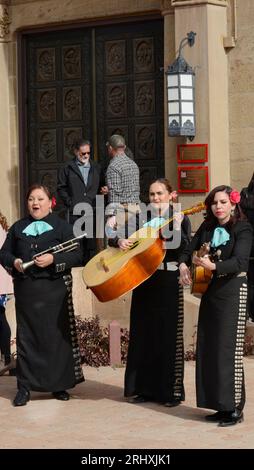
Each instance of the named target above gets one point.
<point>201,277</point>
<point>113,272</point>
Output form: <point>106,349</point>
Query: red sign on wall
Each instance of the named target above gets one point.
<point>193,179</point>
<point>192,153</point>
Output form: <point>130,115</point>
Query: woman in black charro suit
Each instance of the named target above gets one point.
<point>48,357</point>
<point>155,362</point>
<point>222,313</point>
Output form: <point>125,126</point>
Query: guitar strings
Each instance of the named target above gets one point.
<point>193,210</point>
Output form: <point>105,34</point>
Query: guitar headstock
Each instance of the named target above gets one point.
<point>195,209</point>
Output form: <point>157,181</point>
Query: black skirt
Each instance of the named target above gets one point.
<point>155,356</point>
<point>220,341</point>
<point>48,358</point>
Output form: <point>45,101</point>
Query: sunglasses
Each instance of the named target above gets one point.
<point>85,153</point>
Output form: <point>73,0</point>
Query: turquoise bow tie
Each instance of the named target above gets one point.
<point>155,223</point>
<point>37,228</point>
<point>220,237</point>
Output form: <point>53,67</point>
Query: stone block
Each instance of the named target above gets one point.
<point>114,343</point>
<point>118,309</point>
<point>82,297</point>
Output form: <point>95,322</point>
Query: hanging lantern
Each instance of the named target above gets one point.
<point>181,95</point>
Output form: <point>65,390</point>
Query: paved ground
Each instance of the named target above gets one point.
<point>97,416</point>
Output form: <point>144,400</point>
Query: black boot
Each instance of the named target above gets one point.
<point>63,395</point>
<point>138,399</point>
<point>231,417</point>
<point>22,397</point>
<point>171,404</point>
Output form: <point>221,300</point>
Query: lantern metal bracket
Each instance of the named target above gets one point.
<point>190,39</point>
<point>180,65</point>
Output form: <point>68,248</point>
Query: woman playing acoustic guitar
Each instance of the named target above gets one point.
<point>154,370</point>
<point>222,313</point>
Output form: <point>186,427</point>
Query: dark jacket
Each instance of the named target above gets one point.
<point>71,187</point>
<point>247,205</point>
<point>19,245</point>
<point>234,256</point>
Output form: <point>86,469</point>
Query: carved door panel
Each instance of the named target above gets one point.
<point>58,101</point>
<point>72,94</point>
<point>129,76</point>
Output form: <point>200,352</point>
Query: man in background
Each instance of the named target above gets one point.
<point>79,181</point>
<point>122,180</point>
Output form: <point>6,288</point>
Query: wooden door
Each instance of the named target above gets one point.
<point>91,83</point>
<point>129,93</point>
<point>58,101</point>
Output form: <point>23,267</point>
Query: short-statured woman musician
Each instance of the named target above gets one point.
<point>48,357</point>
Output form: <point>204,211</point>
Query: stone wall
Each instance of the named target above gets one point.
<point>9,180</point>
<point>241,95</point>
<point>51,12</point>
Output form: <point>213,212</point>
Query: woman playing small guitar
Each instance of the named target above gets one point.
<point>222,313</point>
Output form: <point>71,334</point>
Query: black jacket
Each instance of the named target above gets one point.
<point>19,245</point>
<point>234,256</point>
<point>71,187</point>
<point>247,205</point>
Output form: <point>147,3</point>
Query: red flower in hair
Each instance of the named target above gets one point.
<point>234,197</point>
<point>53,202</point>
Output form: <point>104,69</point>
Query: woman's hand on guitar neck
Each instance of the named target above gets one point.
<point>205,262</point>
<point>124,244</point>
<point>185,277</point>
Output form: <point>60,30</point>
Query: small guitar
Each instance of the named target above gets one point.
<point>201,277</point>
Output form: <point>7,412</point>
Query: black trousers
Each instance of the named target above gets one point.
<point>87,245</point>
<point>5,336</point>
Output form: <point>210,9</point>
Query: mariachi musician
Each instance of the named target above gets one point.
<point>222,312</point>
<point>48,358</point>
<point>155,362</point>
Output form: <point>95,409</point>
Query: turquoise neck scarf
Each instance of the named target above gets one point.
<point>37,228</point>
<point>220,237</point>
<point>155,223</point>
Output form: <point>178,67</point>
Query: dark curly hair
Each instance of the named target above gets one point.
<point>210,218</point>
